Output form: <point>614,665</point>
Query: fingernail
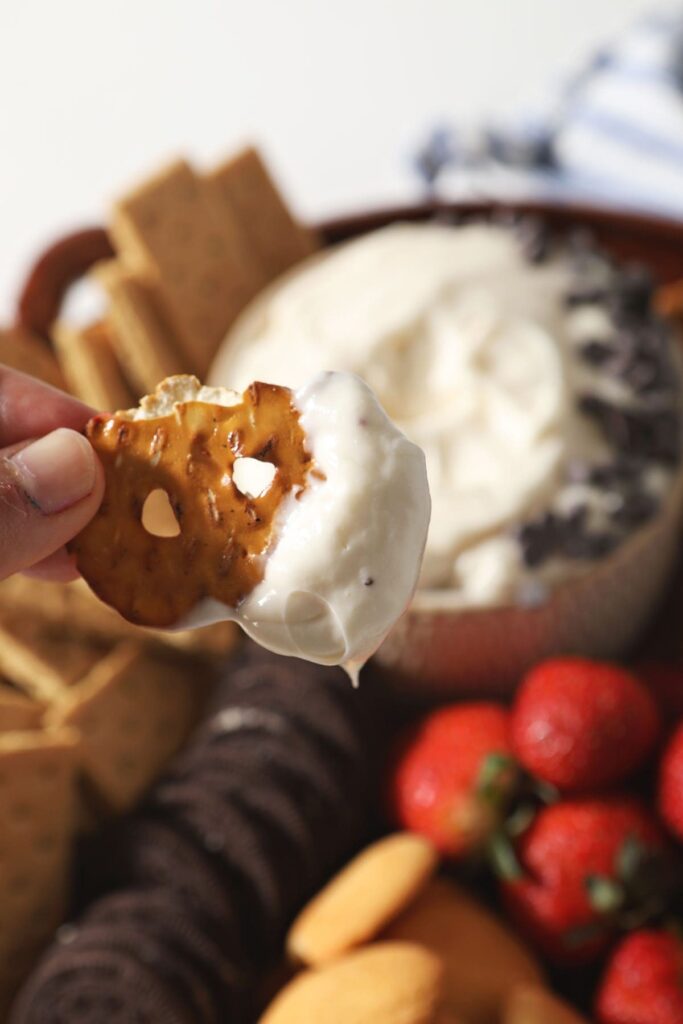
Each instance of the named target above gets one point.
<point>56,471</point>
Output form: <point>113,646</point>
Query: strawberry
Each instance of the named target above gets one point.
<point>585,865</point>
<point>670,790</point>
<point>643,982</point>
<point>452,775</point>
<point>582,725</point>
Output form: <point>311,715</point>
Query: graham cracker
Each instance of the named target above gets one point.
<point>40,662</point>
<point>274,239</point>
<point>144,342</point>
<point>74,609</point>
<point>37,824</point>
<point>18,712</point>
<point>132,712</point>
<point>90,366</point>
<point>174,230</point>
<point>21,350</point>
<point>25,600</point>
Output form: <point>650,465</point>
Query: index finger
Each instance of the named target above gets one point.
<point>29,408</point>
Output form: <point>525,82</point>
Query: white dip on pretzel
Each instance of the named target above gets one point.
<point>348,549</point>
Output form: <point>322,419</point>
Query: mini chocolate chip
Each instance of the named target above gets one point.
<point>597,353</point>
<point>538,539</point>
<point>644,374</point>
<point>636,507</point>
<point>585,295</point>
<point>640,433</point>
<point>614,474</point>
<point>576,520</point>
<point>368,581</point>
<point>632,290</point>
<point>590,546</point>
<point>535,239</point>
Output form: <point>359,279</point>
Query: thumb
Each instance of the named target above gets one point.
<point>49,490</point>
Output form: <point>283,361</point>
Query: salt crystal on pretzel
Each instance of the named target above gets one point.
<point>317,558</point>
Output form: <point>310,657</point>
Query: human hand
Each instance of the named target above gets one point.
<point>51,481</point>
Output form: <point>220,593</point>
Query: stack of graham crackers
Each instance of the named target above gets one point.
<point>189,252</point>
<point>86,723</point>
<point>91,708</point>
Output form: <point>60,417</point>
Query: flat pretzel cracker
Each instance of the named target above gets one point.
<point>188,453</point>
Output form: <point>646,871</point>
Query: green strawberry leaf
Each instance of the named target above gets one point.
<point>605,895</point>
<point>546,792</point>
<point>630,859</point>
<point>520,819</point>
<point>502,857</point>
<point>497,773</point>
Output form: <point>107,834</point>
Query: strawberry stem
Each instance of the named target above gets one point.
<point>502,857</point>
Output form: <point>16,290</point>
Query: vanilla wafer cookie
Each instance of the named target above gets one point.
<point>21,350</point>
<point>174,230</point>
<point>91,369</point>
<point>274,239</point>
<point>132,712</point>
<point>483,960</point>
<point>386,983</point>
<point>143,338</point>
<point>534,1004</point>
<point>37,824</point>
<point>358,902</point>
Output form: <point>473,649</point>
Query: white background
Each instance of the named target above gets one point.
<point>336,91</point>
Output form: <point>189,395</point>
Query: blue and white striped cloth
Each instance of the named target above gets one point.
<point>613,135</point>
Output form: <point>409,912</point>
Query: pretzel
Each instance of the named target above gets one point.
<point>183,442</point>
<point>57,268</point>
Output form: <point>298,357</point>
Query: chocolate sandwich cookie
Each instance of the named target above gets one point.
<point>267,752</point>
<point>165,935</point>
<point>247,717</point>
<point>140,853</point>
<point>329,796</point>
<point>320,698</point>
<point>89,986</point>
<point>176,972</point>
<point>278,808</point>
<point>159,911</point>
<point>269,797</point>
<point>246,857</point>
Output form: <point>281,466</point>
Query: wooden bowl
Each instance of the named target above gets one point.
<point>441,651</point>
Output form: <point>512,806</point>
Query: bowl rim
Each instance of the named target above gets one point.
<point>666,229</point>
